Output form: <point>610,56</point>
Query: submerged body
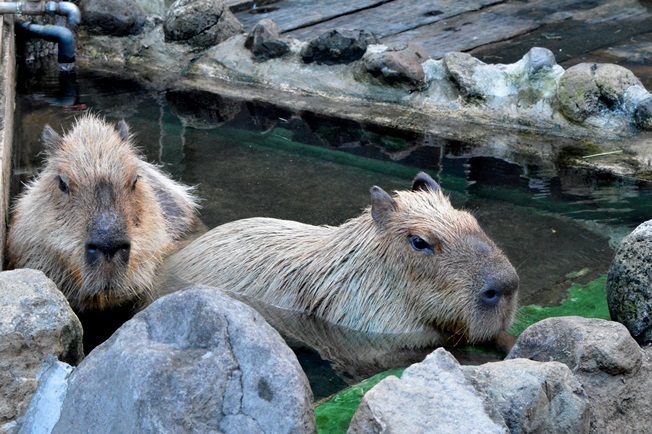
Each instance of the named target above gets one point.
<point>98,220</point>
<point>409,263</point>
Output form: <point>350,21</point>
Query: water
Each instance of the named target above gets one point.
<point>558,227</point>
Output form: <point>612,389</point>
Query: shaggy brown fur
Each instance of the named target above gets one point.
<point>409,263</point>
<point>98,220</point>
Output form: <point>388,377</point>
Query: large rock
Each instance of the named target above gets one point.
<point>629,284</point>
<point>337,47</point>
<point>399,65</point>
<point>590,88</point>
<point>35,322</point>
<point>113,17</point>
<point>439,395</point>
<point>200,23</point>
<point>265,42</point>
<point>532,396</point>
<point>614,371</point>
<point>194,361</point>
<point>431,396</point>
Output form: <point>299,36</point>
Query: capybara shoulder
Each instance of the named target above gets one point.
<point>98,219</point>
<point>410,262</point>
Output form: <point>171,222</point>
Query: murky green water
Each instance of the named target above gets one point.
<point>557,226</point>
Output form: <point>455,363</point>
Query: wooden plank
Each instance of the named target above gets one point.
<point>465,32</point>
<point>294,14</point>
<point>395,17</point>
<point>8,93</point>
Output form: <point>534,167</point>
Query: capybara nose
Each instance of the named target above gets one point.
<point>493,291</point>
<point>109,249</point>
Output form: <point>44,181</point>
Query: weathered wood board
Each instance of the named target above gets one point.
<point>395,17</point>
<point>294,14</point>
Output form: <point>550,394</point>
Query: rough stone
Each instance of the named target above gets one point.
<point>265,43</point>
<point>35,322</point>
<point>115,17</point>
<point>643,114</point>
<point>338,46</point>
<point>629,284</point>
<point>460,68</point>
<point>533,396</point>
<point>614,371</point>
<point>538,59</point>
<point>431,396</point>
<point>193,361</point>
<point>200,23</point>
<point>399,65</point>
<point>588,89</point>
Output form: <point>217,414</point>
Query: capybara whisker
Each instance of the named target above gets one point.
<point>98,220</point>
<point>411,262</point>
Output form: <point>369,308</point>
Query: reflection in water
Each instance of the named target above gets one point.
<point>252,160</point>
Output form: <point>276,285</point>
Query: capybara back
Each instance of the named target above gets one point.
<point>410,262</point>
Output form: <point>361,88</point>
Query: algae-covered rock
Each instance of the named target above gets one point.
<point>590,88</point>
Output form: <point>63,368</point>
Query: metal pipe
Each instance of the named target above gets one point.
<point>66,9</point>
<point>61,35</point>
<point>28,7</point>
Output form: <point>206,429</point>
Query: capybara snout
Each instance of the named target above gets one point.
<point>98,220</point>
<point>411,262</point>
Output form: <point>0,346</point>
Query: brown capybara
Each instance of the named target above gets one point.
<point>409,263</point>
<point>98,220</point>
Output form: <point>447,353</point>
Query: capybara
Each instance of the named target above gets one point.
<point>99,220</point>
<point>410,262</point>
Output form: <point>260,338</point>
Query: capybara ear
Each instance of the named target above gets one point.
<point>424,182</point>
<point>51,139</point>
<point>123,129</point>
<point>382,204</point>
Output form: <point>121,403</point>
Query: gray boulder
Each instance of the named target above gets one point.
<point>431,396</point>
<point>399,65</point>
<point>113,17</point>
<point>438,395</point>
<point>613,370</point>
<point>643,114</point>
<point>533,397</point>
<point>539,59</point>
<point>193,361</point>
<point>337,47</point>
<point>590,88</point>
<point>629,284</point>
<point>36,322</point>
<point>265,43</point>
<point>200,23</point>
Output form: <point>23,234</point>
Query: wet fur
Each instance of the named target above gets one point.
<point>101,167</point>
<point>364,274</point>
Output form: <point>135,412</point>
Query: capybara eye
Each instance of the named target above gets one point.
<point>420,245</point>
<point>133,186</point>
<point>63,186</point>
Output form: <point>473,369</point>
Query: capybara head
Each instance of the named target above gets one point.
<point>98,220</point>
<point>451,275</point>
<point>409,263</point>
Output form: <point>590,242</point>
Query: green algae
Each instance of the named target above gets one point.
<point>590,301</point>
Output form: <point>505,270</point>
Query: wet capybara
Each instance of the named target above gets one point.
<point>410,262</point>
<point>98,220</point>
